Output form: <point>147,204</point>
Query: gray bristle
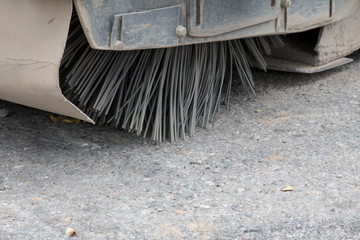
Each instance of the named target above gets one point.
<point>161,93</point>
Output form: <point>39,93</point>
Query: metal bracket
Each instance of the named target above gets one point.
<point>145,29</point>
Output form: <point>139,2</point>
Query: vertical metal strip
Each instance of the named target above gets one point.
<point>331,5</point>
<point>120,28</point>
<point>286,18</point>
<point>198,12</point>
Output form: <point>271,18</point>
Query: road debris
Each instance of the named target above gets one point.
<point>287,189</point>
<point>64,119</point>
<point>70,232</point>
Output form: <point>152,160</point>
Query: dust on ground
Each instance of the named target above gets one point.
<point>300,131</point>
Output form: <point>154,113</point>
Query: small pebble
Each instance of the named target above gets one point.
<point>4,113</point>
<point>240,190</point>
<point>70,232</point>
<point>339,176</point>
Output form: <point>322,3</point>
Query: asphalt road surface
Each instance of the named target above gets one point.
<point>300,131</point>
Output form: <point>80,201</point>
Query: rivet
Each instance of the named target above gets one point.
<point>286,3</point>
<point>181,31</point>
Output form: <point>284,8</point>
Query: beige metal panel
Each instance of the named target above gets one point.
<point>33,37</point>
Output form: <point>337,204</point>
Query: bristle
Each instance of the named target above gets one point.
<point>161,93</point>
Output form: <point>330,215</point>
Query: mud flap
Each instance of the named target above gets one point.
<point>32,42</point>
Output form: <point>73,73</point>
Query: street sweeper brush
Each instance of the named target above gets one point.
<point>162,93</point>
<point>161,68</point>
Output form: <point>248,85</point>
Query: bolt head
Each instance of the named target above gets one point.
<point>286,3</point>
<point>181,31</point>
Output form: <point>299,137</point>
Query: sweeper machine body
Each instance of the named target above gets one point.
<point>161,67</point>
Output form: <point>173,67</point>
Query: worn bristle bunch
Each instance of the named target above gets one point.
<point>161,93</point>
